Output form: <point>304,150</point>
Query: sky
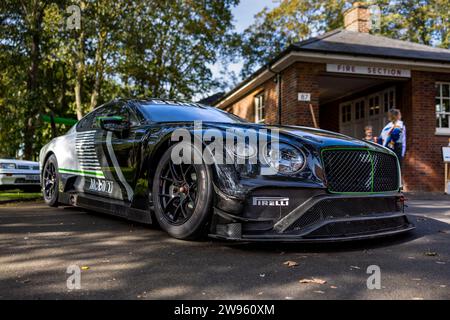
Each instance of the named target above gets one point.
<point>245,11</point>
<point>243,17</point>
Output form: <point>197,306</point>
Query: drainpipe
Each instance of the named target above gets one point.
<point>279,97</point>
<point>278,82</point>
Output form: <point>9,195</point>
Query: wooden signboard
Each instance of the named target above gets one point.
<point>446,159</point>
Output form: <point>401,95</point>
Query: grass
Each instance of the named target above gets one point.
<point>9,195</point>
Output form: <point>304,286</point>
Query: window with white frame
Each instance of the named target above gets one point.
<point>346,112</point>
<point>360,110</point>
<point>366,110</point>
<point>443,107</point>
<point>260,108</point>
<point>389,99</point>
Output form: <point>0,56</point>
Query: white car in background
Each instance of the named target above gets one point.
<point>20,173</point>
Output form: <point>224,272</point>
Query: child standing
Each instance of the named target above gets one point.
<point>393,135</point>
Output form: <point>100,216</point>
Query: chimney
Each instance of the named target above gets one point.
<point>357,18</point>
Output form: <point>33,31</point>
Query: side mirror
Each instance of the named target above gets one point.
<point>115,124</point>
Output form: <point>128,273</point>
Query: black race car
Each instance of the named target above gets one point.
<point>134,159</point>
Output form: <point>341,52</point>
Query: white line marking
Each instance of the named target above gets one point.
<point>130,192</point>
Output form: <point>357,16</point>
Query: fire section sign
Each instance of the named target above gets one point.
<point>369,70</point>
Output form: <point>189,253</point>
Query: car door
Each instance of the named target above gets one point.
<point>119,153</point>
<point>84,156</point>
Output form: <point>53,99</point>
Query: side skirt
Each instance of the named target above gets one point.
<point>108,206</point>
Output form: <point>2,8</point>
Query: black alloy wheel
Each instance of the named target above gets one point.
<point>178,192</point>
<point>50,182</point>
<point>182,197</point>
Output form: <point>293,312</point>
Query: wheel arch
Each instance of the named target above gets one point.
<point>47,156</point>
<point>154,155</point>
<point>152,159</point>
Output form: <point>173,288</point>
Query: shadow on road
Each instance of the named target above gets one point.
<point>135,261</point>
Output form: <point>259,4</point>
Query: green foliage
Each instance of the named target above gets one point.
<point>124,48</point>
<point>290,22</point>
<point>155,48</point>
<point>422,21</point>
<point>19,195</point>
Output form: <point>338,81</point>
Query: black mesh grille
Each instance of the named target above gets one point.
<point>342,229</point>
<point>351,171</point>
<point>343,208</point>
<point>385,175</point>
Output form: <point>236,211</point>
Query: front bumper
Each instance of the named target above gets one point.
<point>19,179</point>
<point>311,216</point>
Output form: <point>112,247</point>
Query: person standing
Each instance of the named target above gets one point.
<point>393,135</point>
<point>368,133</point>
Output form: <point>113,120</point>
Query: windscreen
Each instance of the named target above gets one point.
<point>168,112</point>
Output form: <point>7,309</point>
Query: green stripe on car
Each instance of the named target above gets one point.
<point>82,172</point>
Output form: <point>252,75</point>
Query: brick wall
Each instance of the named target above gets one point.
<point>300,77</point>
<point>423,167</point>
<point>245,108</point>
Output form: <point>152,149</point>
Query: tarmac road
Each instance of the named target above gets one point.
<point>124,260</point>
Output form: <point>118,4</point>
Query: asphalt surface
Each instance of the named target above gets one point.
<point>124,260</point>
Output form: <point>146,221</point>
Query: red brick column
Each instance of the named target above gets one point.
<point>423,169</point>
<point>300,77</point>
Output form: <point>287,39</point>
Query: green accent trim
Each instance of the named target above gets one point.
<point>101,118</point>
<point>372,171</point>
<point>111,117</point>
<point>372,174</point>
<point>82,172</point>
<point>60,120</point>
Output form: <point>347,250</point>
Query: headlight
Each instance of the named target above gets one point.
<point>284,158</point>
<point>7,165</point>
<point>244,150</point>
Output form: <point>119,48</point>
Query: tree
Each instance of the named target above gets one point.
<point>180,39</point>
<point>124,47</point>
<point>421,21</point>
<point>24,26</point>
<point>290,22</point>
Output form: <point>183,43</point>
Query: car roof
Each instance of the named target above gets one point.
<point>157,101</point>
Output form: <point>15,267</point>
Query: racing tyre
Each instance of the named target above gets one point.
<point>50,181</point>
<point>182,196</point>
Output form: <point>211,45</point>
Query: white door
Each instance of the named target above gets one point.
<point>388,103</point>
<point>376,117</point>
<point>346,119</point>
<point>360,118</point>
<point>369,110</point>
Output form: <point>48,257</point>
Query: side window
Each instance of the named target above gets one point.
<point>87,122</point>
<point>105,111</point>
<point>117,109</point>
<point>125,112</point>
<point>90,122</point>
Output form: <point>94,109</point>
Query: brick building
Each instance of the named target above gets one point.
<point>347,79</point>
